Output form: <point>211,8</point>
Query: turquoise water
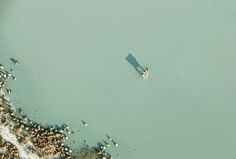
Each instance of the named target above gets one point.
<point>73,67</point>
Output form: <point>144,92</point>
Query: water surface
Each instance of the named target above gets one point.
<point>73,67</point>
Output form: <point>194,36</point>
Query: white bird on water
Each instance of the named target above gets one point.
<point>112,140</point>
<point>84,123</point>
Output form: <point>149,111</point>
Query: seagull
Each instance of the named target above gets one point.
<point>14,61</point>
<point>1,67</point>
<point>84,123</point>
<point>8,91</point>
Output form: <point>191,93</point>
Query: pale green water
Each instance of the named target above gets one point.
<point>73,67</point>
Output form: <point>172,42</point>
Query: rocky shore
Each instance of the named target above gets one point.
<point>23,138</point>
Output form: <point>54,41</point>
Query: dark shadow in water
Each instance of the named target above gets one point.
<point>84,123</point>
<point>99,144</point>
<point>105,142</point>
<point>132,60</point>
<point>109,138</point>
<point>112,140</point>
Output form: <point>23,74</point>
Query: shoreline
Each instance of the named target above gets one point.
<point>23,138</point>
<point>28,138</point>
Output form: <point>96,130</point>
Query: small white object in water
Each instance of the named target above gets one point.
<point>109,138</point>
<point>106,143</point>
<point>1,67</point>
<point>8,75</point>
<point>14,78</point>
<point>8,91</point>
<point>115,144</point>
<point>112,140</point>
<point>84,123</point>
<point>145,73</point>
<point>12,71</point>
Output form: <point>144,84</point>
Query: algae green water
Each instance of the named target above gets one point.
<point>73,67</point>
